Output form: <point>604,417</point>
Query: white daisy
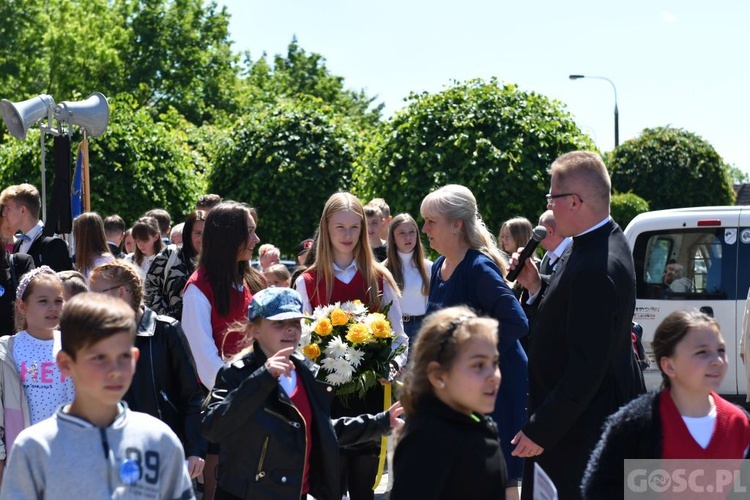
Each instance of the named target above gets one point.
<point>354,356</point>
<point>336,348</point>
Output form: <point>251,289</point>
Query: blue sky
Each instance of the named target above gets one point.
<point>680,63</point>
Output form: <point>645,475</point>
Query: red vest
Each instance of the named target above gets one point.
<point>228,344</point>
<point>356,289</point>
<point>729,440</point>
<point>302,403</point>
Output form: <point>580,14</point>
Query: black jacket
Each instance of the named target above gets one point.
<point>262,435</point>
<point>634,432</point>
<point>444,454</point>
<point>48,251</point>
<point>165,384</point>
<point>10,277</point>
<point>581,363</point>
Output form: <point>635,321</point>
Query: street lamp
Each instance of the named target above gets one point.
<point>617,115</point>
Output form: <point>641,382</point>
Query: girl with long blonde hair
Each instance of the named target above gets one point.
<point>345,269</point>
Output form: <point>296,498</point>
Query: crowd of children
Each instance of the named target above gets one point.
<point>94,380</point>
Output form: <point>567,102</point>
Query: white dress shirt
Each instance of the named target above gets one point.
<point>31,236</point>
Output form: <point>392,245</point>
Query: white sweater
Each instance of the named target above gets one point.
<point>413,302</point>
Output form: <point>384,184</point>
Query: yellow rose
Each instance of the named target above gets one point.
<point>312,351</point>
<point>339,317</point>
<point>358,334</point>
<point>323,327</point>
<point>381,328</point>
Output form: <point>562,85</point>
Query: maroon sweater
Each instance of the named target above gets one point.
<point>228,343</point>
<point>730,438</point>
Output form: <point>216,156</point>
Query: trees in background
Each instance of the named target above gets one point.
<point>496,139</point>
<point>285,159</point>
<point>189,115</point>
<point>671,168</point>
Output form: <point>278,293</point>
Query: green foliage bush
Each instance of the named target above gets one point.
<point>625,206</point>
<point>671,168</point>
<point>497,140</point>
<point>286,159</point>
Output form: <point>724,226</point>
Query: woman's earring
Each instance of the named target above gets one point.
<point>441,384</point>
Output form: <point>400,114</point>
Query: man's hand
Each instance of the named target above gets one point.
<point>525,447</point>
<point>280,363</point>
<point>528,276</point>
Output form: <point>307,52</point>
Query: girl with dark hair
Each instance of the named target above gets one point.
<point>448,447</point>
<point>217,295</point>
<point>685,420</point>
<point>91,247</point>
<point>166,279</point>
<point>148,244</point>
<point>405,260</point>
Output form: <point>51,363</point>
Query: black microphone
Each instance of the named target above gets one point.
<point>537,235</point>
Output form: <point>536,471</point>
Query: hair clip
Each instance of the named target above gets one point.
<point>29,277</point>
<point>449,334</point>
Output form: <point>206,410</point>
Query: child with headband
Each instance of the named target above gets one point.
<point>31,384</point>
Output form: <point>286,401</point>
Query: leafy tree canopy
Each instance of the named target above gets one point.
<point>164,53</point>
<point>300,73</point>
<point>286,159</point>
<point>495,139</point>
<point>671,168</point>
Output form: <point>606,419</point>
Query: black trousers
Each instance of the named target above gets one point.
<point>358,464</point>
<point>358,475</point>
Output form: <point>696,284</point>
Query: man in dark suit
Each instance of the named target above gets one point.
<point>114,231</point>
<point>554,243</point>
<point>581,362</point>
<point>21,206</point>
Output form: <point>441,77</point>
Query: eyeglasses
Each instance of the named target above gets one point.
<point>110,288</point>
<point>551,197</point>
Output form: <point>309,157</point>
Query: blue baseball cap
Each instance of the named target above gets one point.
<point>276,304</point>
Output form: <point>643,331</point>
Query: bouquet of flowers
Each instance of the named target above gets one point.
<point>352,346</point>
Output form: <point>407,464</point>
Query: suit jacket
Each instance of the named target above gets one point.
<point>115,250</point>
<point>581,362</point>
<point>48,251</point>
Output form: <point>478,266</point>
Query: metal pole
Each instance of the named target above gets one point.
<point>617,114</point>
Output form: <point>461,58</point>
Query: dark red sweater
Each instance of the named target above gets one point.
<point>730,438</point>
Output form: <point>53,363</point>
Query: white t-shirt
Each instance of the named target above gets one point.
<point>45,387</point>
<point>702,428</point>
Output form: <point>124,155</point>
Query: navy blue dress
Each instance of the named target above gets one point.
<point>478,283</point>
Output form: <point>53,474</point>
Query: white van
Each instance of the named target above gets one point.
<point>709,248</point>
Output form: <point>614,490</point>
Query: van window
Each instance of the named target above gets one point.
<point>692,264</point>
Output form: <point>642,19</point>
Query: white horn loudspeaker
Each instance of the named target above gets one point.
<point>91,114</point>
<point>19,116</point>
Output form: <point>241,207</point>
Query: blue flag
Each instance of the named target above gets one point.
<point>76,190</point>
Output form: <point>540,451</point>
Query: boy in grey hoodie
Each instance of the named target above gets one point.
<point>96,447</point>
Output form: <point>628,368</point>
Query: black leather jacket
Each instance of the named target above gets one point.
<point>165,384</point>
<point>262,435</point>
